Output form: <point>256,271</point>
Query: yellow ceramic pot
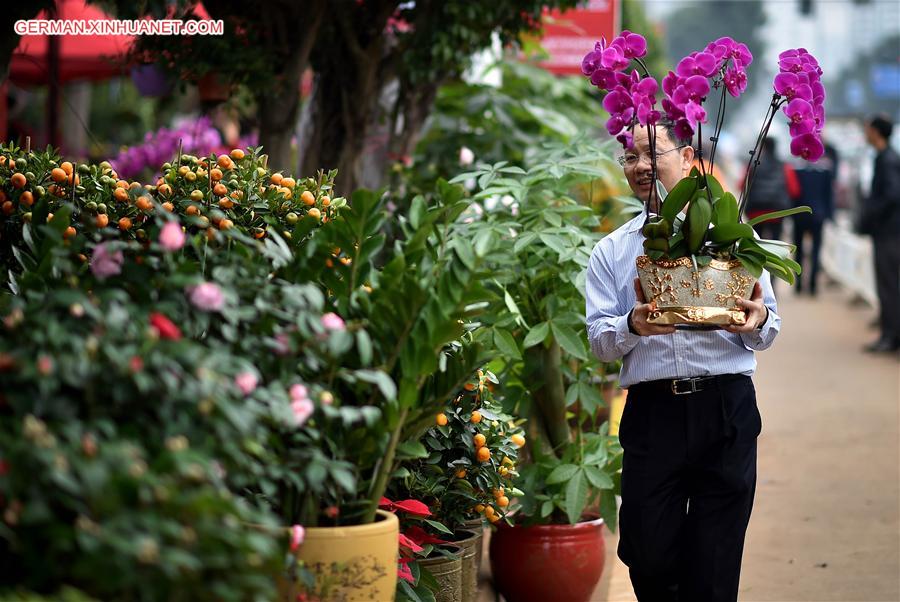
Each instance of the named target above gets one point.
<point>354,563</point>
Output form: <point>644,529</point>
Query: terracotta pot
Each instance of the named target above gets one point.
<point>683,295</point>
<point>353,563</point>
<point>448,574</point>
<point>548,562</point>
<point>469,542</point>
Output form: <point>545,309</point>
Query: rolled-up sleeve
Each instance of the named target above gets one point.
<point>606,315</point>
<point>762,338</point>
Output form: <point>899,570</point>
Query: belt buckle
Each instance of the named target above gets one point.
<point>690,381</point>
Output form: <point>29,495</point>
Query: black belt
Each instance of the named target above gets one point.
<point>686,386</point>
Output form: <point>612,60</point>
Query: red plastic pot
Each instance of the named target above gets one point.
<point>548,562</point>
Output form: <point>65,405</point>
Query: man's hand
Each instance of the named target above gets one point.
<point>755,310</point>
<point>640,313</point>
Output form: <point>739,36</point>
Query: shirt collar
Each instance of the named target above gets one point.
<point>635,224</point>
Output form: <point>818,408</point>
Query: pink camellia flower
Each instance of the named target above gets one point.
<point>246,382</point>
<point>207,296</point>
<point>332,321</point>
<point>302,410</point>
<point>106,263</point>
<point>298,534</point>
<point>171,236</point>
<point>298,392</point>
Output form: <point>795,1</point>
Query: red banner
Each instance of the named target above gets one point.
<point>569,35</point>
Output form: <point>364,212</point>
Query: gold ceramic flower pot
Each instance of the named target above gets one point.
<point>684,295</point>
<point>470,543</point>
<point>448,574</point>
<point>353,563</point>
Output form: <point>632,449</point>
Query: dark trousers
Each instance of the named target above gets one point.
<point>688,479</point>
<point>887,282</point>
<point>804,224</point>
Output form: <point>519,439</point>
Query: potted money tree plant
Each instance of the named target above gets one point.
<point>700,255</point>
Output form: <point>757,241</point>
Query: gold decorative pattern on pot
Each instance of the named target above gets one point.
<point>709,284</point>
<point>661,288</point>
<point>737,287</point>
<point>643,261</point>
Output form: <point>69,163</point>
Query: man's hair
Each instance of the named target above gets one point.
<point>668,126</point>
<point>882,124</point>
<point>769,146</point>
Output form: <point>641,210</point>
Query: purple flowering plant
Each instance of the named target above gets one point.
<point>698,218</point>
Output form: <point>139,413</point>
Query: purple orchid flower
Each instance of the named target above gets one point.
<point>591,61</point>
<point>603,78</point>
<point>694,113</point>
<point>790,86</point>
<point>805,126</point>
<point>735,81</point>
<point>618,100</point>
<point>633,45</point>
<point>798,110</point>
<point>692,89</point>
<point>697,63</point>
<point>807,146</point>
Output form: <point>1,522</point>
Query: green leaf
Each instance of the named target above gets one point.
<point>485,241</point>
<point>383,381</point>
<point>715,188</point>
<point>569,340</point>
<point>678,198</point>
<point>576,497</point>
<point>727,232</point>
<point>546,508</point>
<point>598,478</point>
<point>725,210</point>
<point>411,450</point>
<point>562,473</point>
<point>608,510</point>
<point>364,345</point>
<point>536,335</point>
<point>439,527</point>
<point>417,211</point>
<point>505,342</point>
<point>778,214</point>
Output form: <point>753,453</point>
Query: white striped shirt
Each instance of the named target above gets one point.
<point>683,354</point>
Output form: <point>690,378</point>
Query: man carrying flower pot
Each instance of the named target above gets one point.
<point>691,422</point>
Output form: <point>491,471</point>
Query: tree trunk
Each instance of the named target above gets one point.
<point>350,73</point>
<point>545,380</point>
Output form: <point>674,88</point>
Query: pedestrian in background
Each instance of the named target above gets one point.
<point>880,218</point>
<point>817,191</point>
<point>774,187</point>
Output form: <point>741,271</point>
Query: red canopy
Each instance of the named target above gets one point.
<point>89,57</point>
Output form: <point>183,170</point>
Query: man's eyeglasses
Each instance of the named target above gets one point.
<point>630,159</point>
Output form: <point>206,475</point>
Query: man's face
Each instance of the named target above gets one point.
<point>872,136</point>
<point>670,166</point>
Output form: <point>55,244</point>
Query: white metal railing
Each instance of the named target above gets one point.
<point>847,258</point>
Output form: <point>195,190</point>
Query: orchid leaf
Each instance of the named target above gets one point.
<point>681,193</point>
<point>779,214</point>
<point>725,210</point>
<point>727,233</point>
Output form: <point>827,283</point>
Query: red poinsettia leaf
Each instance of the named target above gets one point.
<point>385,503</point>
<point>405,573</point>
<point>413,507</point>
<point>421,537</point>
<point>405,560</point>
<point>406,542</point>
